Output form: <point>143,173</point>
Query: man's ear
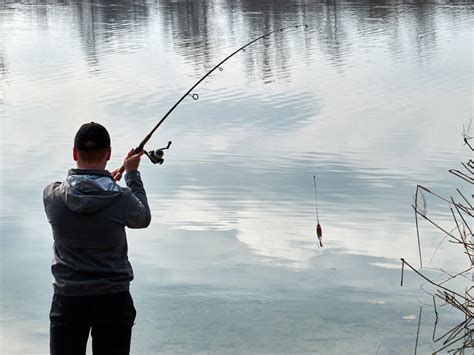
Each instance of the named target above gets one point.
<point>109,153</point>
<point>74,153</point>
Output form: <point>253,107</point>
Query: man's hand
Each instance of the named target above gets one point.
<point>116,174</point>
<point>132,160</point>
<point>131,163</point>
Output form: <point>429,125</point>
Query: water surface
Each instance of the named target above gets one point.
<point>371,97</point>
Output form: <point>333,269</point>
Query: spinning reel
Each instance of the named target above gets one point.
<point>156,156</point>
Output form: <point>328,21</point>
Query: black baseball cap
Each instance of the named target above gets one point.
<point>92,136</point>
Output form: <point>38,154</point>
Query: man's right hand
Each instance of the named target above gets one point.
<point>132,160</point>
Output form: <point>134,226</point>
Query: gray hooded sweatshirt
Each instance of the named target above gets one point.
<point>88,213</point>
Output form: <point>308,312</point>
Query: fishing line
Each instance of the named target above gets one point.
<point>316,198</point>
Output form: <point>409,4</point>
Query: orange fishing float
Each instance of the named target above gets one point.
<point>319,230</point>
<point>319,233</point>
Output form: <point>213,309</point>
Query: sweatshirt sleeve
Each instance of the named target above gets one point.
<point>47,197</point>
<point>138,212</point>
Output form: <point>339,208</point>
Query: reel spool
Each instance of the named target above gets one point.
<point>156,156</point>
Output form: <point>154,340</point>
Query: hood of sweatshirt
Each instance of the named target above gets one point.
<point>89,191</point>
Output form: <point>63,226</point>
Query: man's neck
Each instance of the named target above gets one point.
<point>91,166</point>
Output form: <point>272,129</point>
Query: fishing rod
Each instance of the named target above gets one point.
<point>156,156</point>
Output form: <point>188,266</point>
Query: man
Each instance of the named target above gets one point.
<point>88,213</point>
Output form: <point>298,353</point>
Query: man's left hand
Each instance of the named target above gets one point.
<point>116,174</point>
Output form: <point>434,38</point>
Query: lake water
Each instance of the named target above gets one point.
<point>372,98</point>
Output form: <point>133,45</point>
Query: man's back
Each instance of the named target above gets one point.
<point>88,213</point>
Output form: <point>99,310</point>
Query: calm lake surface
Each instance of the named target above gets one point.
<point>372,97</point>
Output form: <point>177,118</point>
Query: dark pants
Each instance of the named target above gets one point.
<point>109,316</point>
